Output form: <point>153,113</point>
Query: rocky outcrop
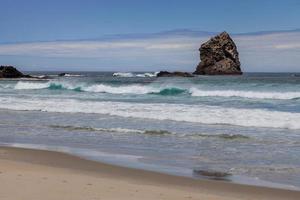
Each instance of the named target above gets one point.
<point>62,74</point>
<point>11,72</point>
<point>219,56</point>
<point>173,74</point>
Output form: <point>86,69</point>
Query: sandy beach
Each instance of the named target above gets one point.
<point>38,174</point>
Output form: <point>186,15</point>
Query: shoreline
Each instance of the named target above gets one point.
<point>240,180</point>
<point>56,164</point>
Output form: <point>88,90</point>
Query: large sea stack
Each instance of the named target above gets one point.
<point>219,56</point>
<point>11,72</point>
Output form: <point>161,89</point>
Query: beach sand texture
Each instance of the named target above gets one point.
<point>38,174</point>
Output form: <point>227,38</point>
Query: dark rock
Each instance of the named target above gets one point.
<point>219,56</point>
<point>62,74</point>
<point>217,175</point>
<point>173,74</point>
<point>11,72</point>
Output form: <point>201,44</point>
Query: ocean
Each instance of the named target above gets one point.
<point>246,127</point>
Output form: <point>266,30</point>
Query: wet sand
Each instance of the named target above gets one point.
<point>38,174</point>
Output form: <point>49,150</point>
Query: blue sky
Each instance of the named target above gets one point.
<point>29,29</point>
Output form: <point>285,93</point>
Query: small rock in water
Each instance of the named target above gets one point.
<point>62,74</point>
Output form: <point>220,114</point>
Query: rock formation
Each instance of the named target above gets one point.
<point>10,72</point>
<point>62,74</point>
<point>173,74</point>
<point>219,56</point>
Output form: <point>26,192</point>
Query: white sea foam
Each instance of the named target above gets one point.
<point>146,89</point>
<point>39,76</point>
<point>123,74</point>
<point>6,86</point>
<point>117,130</point>
<point>244,94</point>
<point>73,75</point>
<point>98,88</point>
<point>147,75</point>
<point>160,111</point>
<point>23,85</point>
<point>129,74</point>
<point>122,130</point>
<point>128,89</point>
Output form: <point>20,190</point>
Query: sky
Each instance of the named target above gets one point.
<point>140,35</point>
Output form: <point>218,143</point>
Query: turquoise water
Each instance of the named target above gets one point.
<point>247,126</point>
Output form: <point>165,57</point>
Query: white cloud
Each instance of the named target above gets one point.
<point>261,52</point>
<point>90,48</point>
<point>288,46</point>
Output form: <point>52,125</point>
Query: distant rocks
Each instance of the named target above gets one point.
<point>173,74</point>
<point>11,72</point>
<point>219,56</point>
<point>62,74</point>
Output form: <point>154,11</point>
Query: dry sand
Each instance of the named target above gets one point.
<point>43,175</point>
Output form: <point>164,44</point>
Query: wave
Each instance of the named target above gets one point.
<point>160,111</point>
<point>100,88</point>
<point>113,130</point>
<point>170,91</point>
<point>80,128</point>
<point>40,76</point>
<point>158,90</point>
<point>147,74</point>
<point>23,85</point>
<point>123,74</point>
<point>245,94</point>
<point>73,75</point>
<point>129,74</point>
<point>150,132</point>
<point>129,89</point>
<point>223,136</point>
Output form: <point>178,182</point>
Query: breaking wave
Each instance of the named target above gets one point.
<point>129,74</point>
<point>160,111</point>
<point>170,91</point>
<point>100,88</point>
<point>127,89</point>
<point>73,75</point>
<point>31,85</point>
<point>123,74</point>
<point>147,74</point>
<point>45,85</point>
<point>245,94</point>
<point>158,90</point>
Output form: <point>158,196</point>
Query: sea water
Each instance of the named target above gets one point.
<point>245,126</point>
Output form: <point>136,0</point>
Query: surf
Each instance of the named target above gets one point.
<point>160,111</point>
